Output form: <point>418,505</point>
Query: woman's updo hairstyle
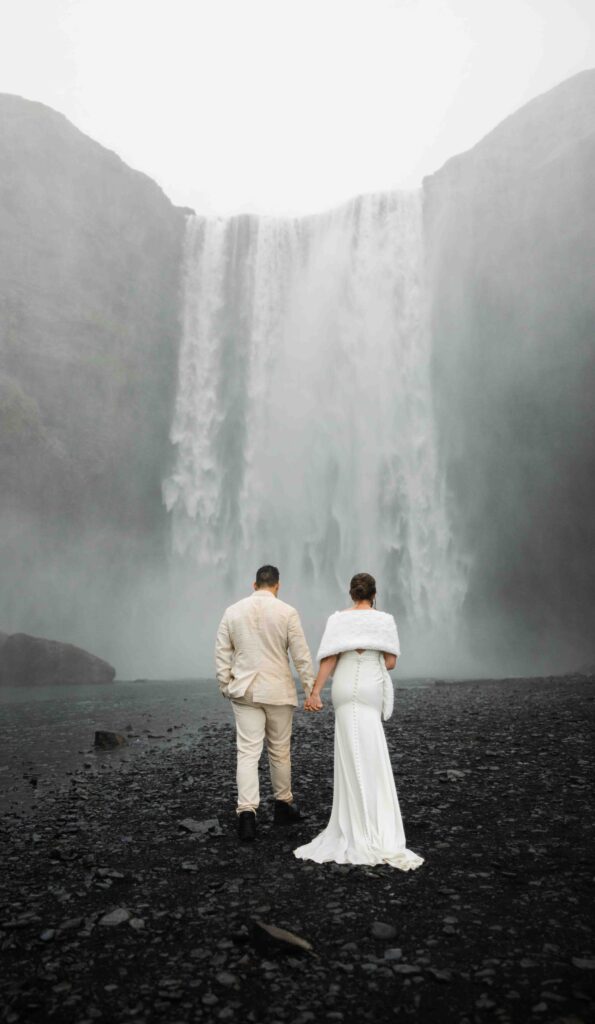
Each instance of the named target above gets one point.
<point>362,587</point>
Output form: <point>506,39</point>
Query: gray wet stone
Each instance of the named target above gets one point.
<point>70,923</point>
<point>226,979</point>
<point>440,974</point>
<point>115,917</point>
<point>109,873</point>
<point>381,930</point>
<point>210,825</point>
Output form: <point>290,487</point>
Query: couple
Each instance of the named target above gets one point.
<point>359,645</point>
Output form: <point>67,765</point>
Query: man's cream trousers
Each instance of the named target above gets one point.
<point>256,722</point>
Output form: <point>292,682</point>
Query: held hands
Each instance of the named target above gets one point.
<point>313,703</point>
<point>327,665</point>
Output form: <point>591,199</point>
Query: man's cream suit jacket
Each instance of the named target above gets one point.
<point>254,638</point>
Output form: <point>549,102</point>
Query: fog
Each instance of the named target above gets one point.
<point>289,107</point>
<point>400,385</point>
<point>303,424</point>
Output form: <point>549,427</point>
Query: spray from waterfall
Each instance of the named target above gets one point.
<point>303,429</point>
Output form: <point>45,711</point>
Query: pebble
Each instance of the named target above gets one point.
<point>201,827</point>
<point>380,930</point>
<point>228,980</point>
<point>115,917</point>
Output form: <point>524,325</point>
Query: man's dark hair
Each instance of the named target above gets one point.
<point>267,576</point>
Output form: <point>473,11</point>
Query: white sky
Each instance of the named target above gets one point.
<point>289,106</point>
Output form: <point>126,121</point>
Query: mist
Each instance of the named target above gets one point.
<point>401,386</point>
<point>303,424</point>
<point>510,244</point>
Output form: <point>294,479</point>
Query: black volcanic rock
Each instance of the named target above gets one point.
<point>510,229</point>
<point>34,661</point>
<point>105,739</point>
<point>498,918</point>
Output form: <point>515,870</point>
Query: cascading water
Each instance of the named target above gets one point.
<point>303,427</point>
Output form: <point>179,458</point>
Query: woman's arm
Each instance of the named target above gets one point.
<point>325,669</point>
<point>390,660</point>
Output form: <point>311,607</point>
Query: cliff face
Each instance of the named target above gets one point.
<point>34,661</point>
<point>89,278</point>
<point>89,337</point>
<point>510,230</point>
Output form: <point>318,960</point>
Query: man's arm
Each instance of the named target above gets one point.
<point>223,655</point>
<point>300,652</point>
<point>325,670</point>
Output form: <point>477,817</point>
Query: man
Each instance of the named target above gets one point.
<point>254,638</point>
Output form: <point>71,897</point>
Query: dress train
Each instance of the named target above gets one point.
<point>365,825</point>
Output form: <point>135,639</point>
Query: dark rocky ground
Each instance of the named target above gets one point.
<point>495,926</point>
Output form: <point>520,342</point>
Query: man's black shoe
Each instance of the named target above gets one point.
<point>286,813</point>
<point>247,826</point>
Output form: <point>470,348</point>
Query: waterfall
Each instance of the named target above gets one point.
<point>303,427</point>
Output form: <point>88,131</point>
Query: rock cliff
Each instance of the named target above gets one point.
<point>89,278</point>
<point>89,336</point>
<point>34,661</point>
<point>510,230</point>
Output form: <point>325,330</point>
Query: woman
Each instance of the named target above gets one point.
<point>359,646</point>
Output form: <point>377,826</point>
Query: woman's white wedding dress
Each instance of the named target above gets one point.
<point>365,825</point>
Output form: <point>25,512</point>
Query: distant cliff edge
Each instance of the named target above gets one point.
<point>510,231</point>
<point>89,335</point>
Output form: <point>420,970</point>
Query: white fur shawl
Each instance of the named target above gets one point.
<point>368,631</point>
<point>359,630</point>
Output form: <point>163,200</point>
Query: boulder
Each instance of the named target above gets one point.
<point>106,740</point>
<point>34,661</point>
